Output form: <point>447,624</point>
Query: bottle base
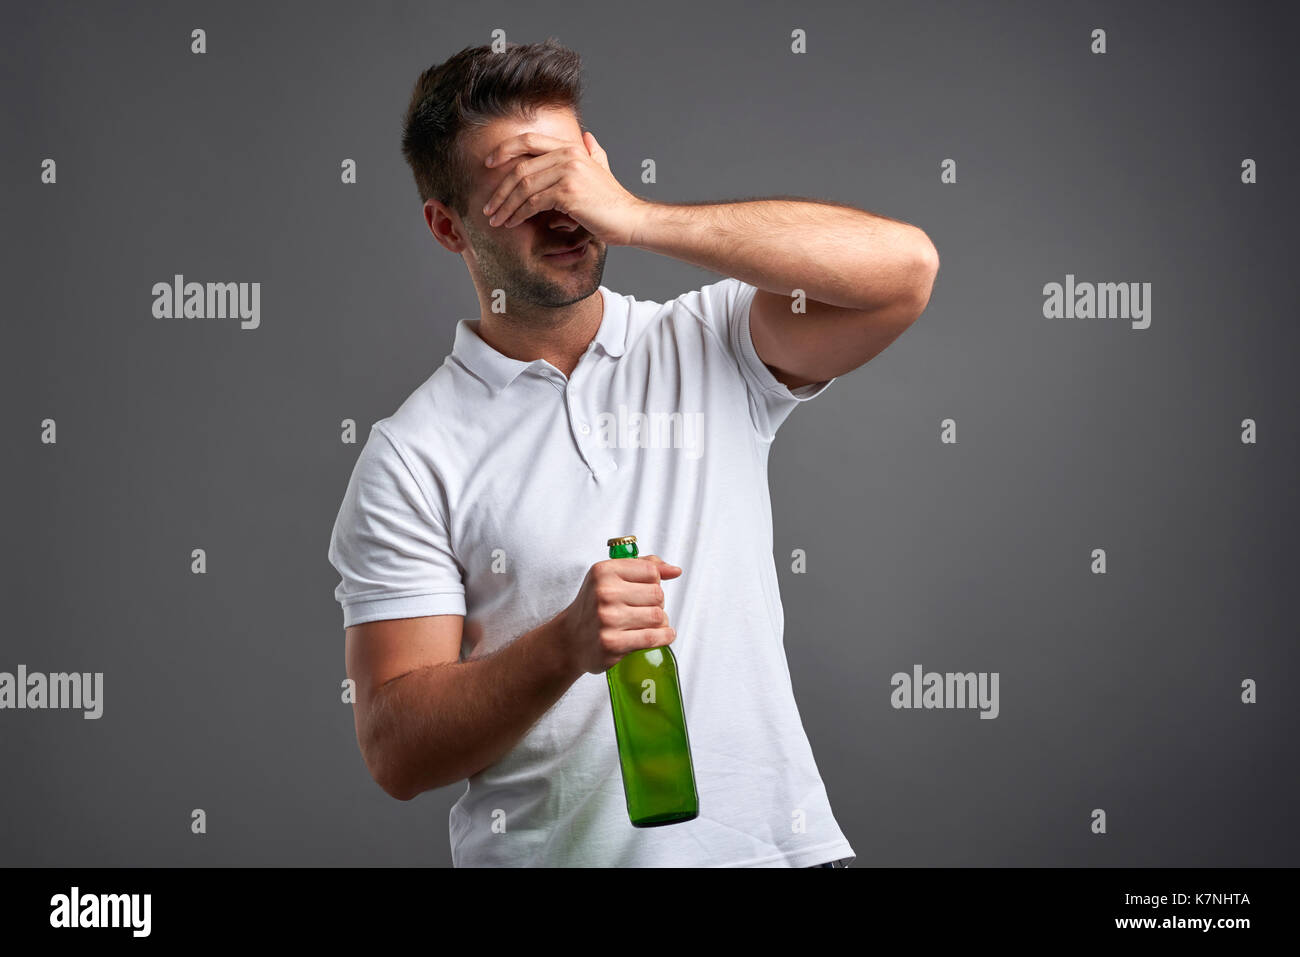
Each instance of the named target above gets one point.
<point>672,817</point>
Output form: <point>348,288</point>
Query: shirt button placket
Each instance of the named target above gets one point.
<point>598,460</point>
<point>579,428</point>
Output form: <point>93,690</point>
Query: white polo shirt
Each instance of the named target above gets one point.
<point>492,490</point>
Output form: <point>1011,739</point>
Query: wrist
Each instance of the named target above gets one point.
<point>644,217</point>
<point>560,646</point>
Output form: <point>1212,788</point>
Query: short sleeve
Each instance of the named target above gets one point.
<point>390,543</point>
<point>724,306</point>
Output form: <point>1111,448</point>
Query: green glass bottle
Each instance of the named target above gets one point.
<point>650,723</point>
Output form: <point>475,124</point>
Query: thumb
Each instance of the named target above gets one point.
<point>666,569</point>
<point>594,149</point>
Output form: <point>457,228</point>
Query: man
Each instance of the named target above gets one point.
<point>479,617</point>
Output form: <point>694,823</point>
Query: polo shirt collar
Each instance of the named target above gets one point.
<point>498,370</point>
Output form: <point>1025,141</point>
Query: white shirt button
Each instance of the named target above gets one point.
<point>584,428</point>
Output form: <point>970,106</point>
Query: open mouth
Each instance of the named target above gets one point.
<point>570,254</point>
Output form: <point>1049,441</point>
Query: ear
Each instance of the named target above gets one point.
<point>437,216</point>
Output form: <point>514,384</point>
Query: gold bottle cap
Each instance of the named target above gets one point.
<point>625,540</point>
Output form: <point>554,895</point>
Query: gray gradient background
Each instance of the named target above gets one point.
<point>1118,691</point>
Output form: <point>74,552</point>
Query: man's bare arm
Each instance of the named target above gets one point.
<point>426,719</point>
<point>865,278</point>
<point>445,720</point>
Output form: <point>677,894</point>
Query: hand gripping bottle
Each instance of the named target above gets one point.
<point>650,722</point>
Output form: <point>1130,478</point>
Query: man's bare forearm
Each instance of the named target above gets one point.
<point>836,254</point>
<point>443,723</point>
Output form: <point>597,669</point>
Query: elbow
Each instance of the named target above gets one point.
<point>927,271</point>
<point>392,771</point>
<point>387,774</point>
<point>386,768</point>
<point>924,253</point>
<point>399,795</point>
<point>404,765</point>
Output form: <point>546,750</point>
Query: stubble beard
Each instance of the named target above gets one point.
<point>500,269</point>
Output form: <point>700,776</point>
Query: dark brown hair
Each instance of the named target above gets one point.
<point>467,91</point>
